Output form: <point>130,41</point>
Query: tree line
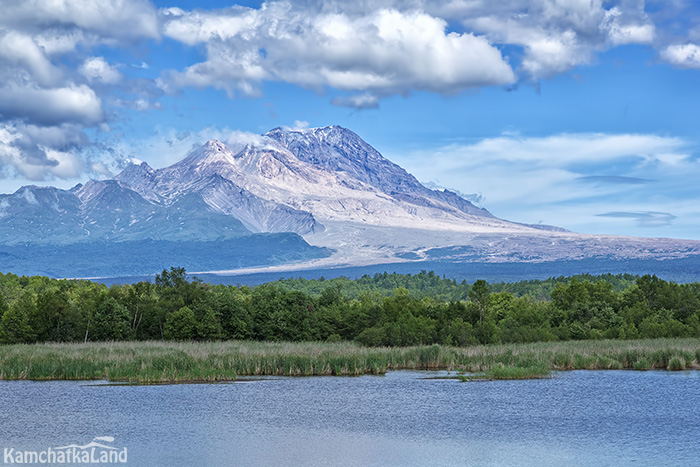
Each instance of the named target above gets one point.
<point>385,309</point>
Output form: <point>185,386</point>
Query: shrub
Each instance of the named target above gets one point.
<point>676,364</point>
<point>641,364</point>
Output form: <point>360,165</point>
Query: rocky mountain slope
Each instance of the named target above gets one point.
<point>325,184</point>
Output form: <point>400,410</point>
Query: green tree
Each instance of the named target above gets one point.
<point>3,305</point>
<point>172,279</point>
<point>208,326</point>
<point>14,327</point>
<point>53,319</point>
<point>181,325</point>
<point>111,321</point>
<point>480,295</point>
<point>146,317</point>
<point>372,337</point>
<point>460,333</point>
<point>233,308</point>
<point>175,287</point>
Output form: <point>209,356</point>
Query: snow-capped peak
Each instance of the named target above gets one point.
<point>212,152</point>
<point>215,145</point>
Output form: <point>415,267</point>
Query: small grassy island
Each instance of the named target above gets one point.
<point>181,330</point>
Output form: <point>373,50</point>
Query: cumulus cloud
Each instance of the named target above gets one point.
<point>70,104</point>
<point>116,19</point>
<point>556,35</point>
<point>97,69</point>
<point>379,53</point>
<point>639,30</point>
<point>22,51</point>
<point>45,102</point>
<point>41,153</point>
<point>682,55</point>
<point>199,26</point>
<point>386,47</point>
<point>56,41</point>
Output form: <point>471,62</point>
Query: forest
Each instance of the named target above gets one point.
<point>380,310</point>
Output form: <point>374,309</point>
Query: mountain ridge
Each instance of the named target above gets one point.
<point>324,184</point>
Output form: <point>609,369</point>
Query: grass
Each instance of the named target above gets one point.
<point>161,361</point>
<point>502,372</point>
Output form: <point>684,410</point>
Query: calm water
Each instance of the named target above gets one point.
<point>585,418</point>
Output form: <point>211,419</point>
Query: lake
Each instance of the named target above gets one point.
<point>579,418</point>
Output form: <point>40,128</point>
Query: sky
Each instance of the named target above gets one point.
<point>577,113</point>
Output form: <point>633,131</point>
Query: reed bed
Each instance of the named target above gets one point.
<point>154,362</point>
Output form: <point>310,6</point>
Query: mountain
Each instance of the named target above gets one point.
<point>107,211</point>
<point>351,205</point>
<point>35,213</point>
<point>340,151</point>
<point>211,172</point>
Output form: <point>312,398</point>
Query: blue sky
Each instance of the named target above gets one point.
<point>576,113</point>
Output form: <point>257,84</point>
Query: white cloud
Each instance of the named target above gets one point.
<point>638,30</point>
<point>60,41</point>
<point>300,125</point>
<point>565,149</point>
<point>557,179</point>
<point>60,137</point>
<point>376,49</point>
<point>65,164</point>
<point>554,53</point>
<point>73,103</point>
<point>140,104</point>
<point>97,69</point>
<point>358,101</point>
<point>381,52</point>
<point>119,19</point>
<point>226,68</point>
<point>556,35</point>
<point>22,51</point>
<point>682,55</point>
<point>167,146</point>
<point>42,100</point>
<point>632,34</point>
<point>199,26</point>
<point>37,86</point>
<point>38,153</point>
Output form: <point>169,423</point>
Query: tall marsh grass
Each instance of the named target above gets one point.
<point>161,361</point>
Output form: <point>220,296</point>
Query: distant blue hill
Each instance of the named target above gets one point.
<point>147,257</point>
<point>682,270</point>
